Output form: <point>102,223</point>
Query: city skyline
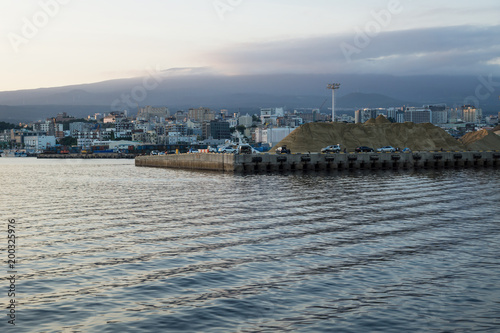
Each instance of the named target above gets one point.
<point>51,43</point>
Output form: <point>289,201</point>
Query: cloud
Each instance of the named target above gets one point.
<point>457,50</point>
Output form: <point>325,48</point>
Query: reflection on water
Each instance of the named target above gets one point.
<point>107,247</point>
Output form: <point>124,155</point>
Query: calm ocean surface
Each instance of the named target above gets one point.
<point>104,246</point>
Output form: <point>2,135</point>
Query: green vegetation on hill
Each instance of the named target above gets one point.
<point>4,126</point>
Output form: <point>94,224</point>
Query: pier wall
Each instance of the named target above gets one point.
<point>200,161</point>
<point>86,156</point>
<point>252,163</point>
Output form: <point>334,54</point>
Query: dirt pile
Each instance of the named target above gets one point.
<point>481,140</point>
<point>496,130</point>
<point>374,133</point>
<point>382,120</point>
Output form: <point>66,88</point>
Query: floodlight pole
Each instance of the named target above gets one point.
<point>333,87</point>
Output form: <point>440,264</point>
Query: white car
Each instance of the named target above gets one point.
<point>387,149</point>
<point>331,149</point>
<point>228,149</point>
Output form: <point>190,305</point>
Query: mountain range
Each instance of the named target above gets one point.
<point>249,93</point>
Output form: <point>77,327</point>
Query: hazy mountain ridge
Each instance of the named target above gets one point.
<point>247,92</point>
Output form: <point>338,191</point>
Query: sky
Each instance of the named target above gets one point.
<point>50,43</point>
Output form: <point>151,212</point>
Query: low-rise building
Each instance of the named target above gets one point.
<point>270,115</point>
<point>492,120</point>
<point>85,139</point>
<point>50,127</point>
<point>218,130</point>
<point>272,135</point>
<point>177,138</point>
<point>201,114</point>
<point>149,112</point>
<point>123,128</point>
<point>233,122</point>
<point>113,117</point>
<point>246,120</point>
<point>418,115</point>
<point>17,136</point>
<point>76,127</point>
<point>39,142</point>
<point>439,114</point>
<point>363,115</point>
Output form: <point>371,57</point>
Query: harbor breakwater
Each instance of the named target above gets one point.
<point>249,163</point>
<point>86,156</point>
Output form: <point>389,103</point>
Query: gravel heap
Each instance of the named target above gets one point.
<point>381,132</point>
<point>481,140</point>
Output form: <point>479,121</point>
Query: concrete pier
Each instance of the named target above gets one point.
<point>86,156</point>
<point>262,163</point>
<point>197,161</point>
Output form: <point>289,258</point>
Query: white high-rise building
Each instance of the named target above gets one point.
<point>471,114</point>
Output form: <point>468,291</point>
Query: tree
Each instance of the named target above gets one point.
<point>68,141</point>
<point>4,126</point>
<point>241,128</point>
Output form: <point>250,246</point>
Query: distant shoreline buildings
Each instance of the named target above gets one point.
<point>160,126</point>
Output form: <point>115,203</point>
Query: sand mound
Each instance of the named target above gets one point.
<point>481,140</point>
<point>312,137</point>
<point>382,120</point>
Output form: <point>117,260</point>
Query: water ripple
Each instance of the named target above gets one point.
<point>107,247</point>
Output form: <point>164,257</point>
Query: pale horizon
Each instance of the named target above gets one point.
<point>51,43</point>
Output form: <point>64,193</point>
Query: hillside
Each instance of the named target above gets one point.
<point>362,100</point>
<point>378,133</point>
<point>293,91</point>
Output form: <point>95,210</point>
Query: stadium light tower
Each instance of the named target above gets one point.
<point>333,87</point>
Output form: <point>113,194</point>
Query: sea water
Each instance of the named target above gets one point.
<point>104,246</point>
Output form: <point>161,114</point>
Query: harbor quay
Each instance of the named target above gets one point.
<point>87,156</point>
<point>261,163</point>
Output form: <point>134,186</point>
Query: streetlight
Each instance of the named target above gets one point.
<point>333,87</point>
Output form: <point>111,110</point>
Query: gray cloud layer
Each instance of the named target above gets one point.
<point>454,50</point>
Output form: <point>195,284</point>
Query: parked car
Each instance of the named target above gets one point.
<point>283,150</point>
<point>212,149</point>
<point>363,149</point>
<point>387,149</point>
<point>228,150</point>
<point>331,149</point>
<point>245,149</point>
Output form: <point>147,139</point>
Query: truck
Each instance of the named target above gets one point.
<point>283,150</point>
